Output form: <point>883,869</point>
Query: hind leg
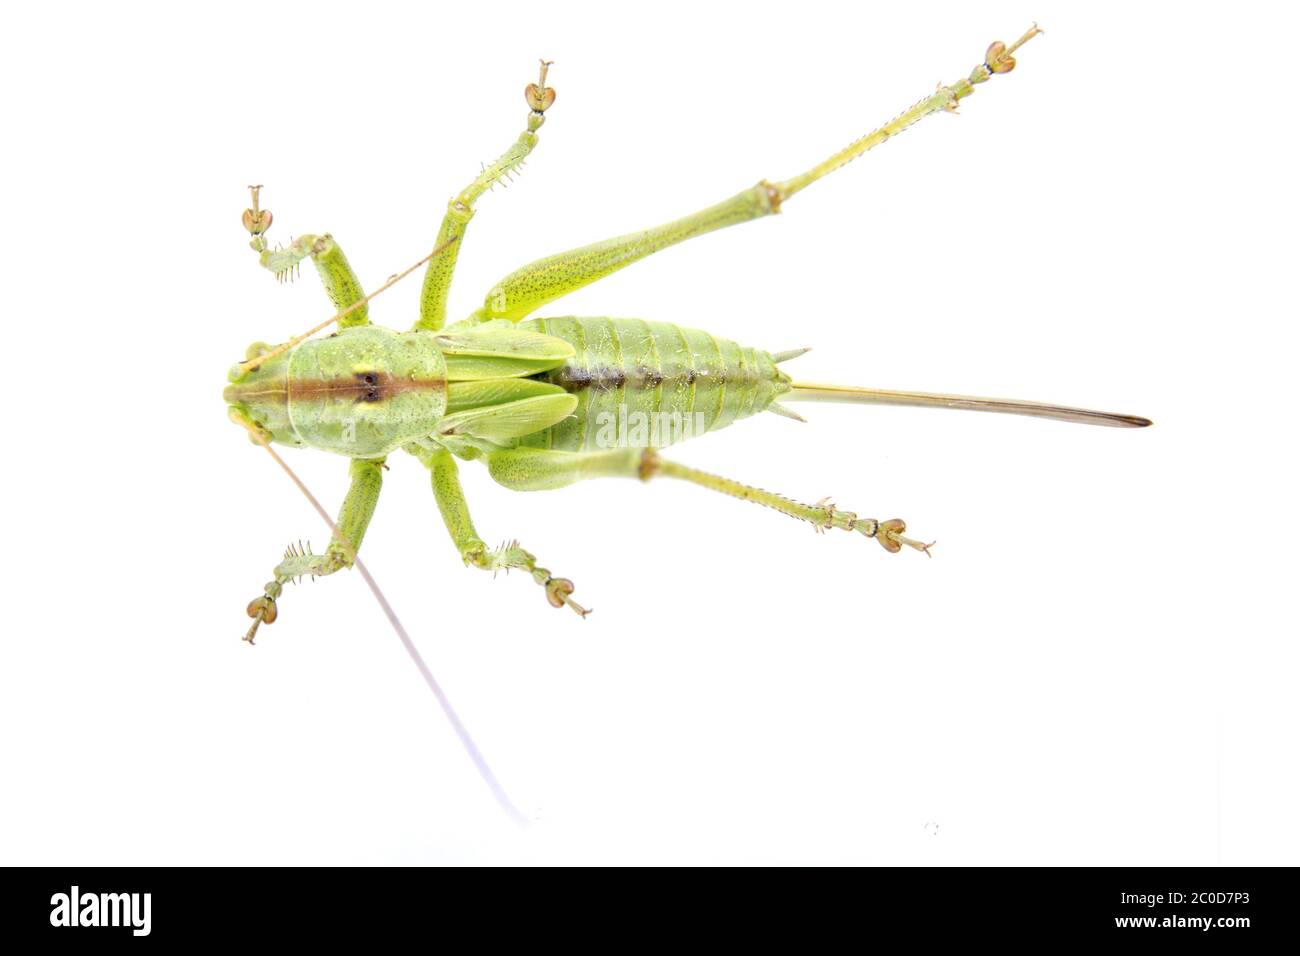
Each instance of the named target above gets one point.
<point>540,282</point>
<point>535,469</point>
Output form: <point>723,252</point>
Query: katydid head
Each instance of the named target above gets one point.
<point>361,392</point>
<point>261,396</point>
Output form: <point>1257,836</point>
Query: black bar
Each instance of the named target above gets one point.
<point>805,908</point>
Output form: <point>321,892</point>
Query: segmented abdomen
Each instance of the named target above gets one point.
<point>644,384</point>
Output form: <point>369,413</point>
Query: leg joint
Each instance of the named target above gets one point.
<point>649,465</point>
<point>474,552</point>
<point>460,210</point>
<point>772,193</point>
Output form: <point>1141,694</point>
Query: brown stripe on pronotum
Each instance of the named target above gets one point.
<point>375,386</point>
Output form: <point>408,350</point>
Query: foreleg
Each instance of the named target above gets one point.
<point>354,517</point>
<point>341,283</point>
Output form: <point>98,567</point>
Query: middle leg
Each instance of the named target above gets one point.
<point>437,277</point>
<point>473,551</point>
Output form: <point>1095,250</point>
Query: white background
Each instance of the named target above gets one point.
<point>1097,667</point>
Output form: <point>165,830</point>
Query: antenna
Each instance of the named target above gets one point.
<point>475,755</point>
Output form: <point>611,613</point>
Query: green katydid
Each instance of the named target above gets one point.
<point>543,402</point>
